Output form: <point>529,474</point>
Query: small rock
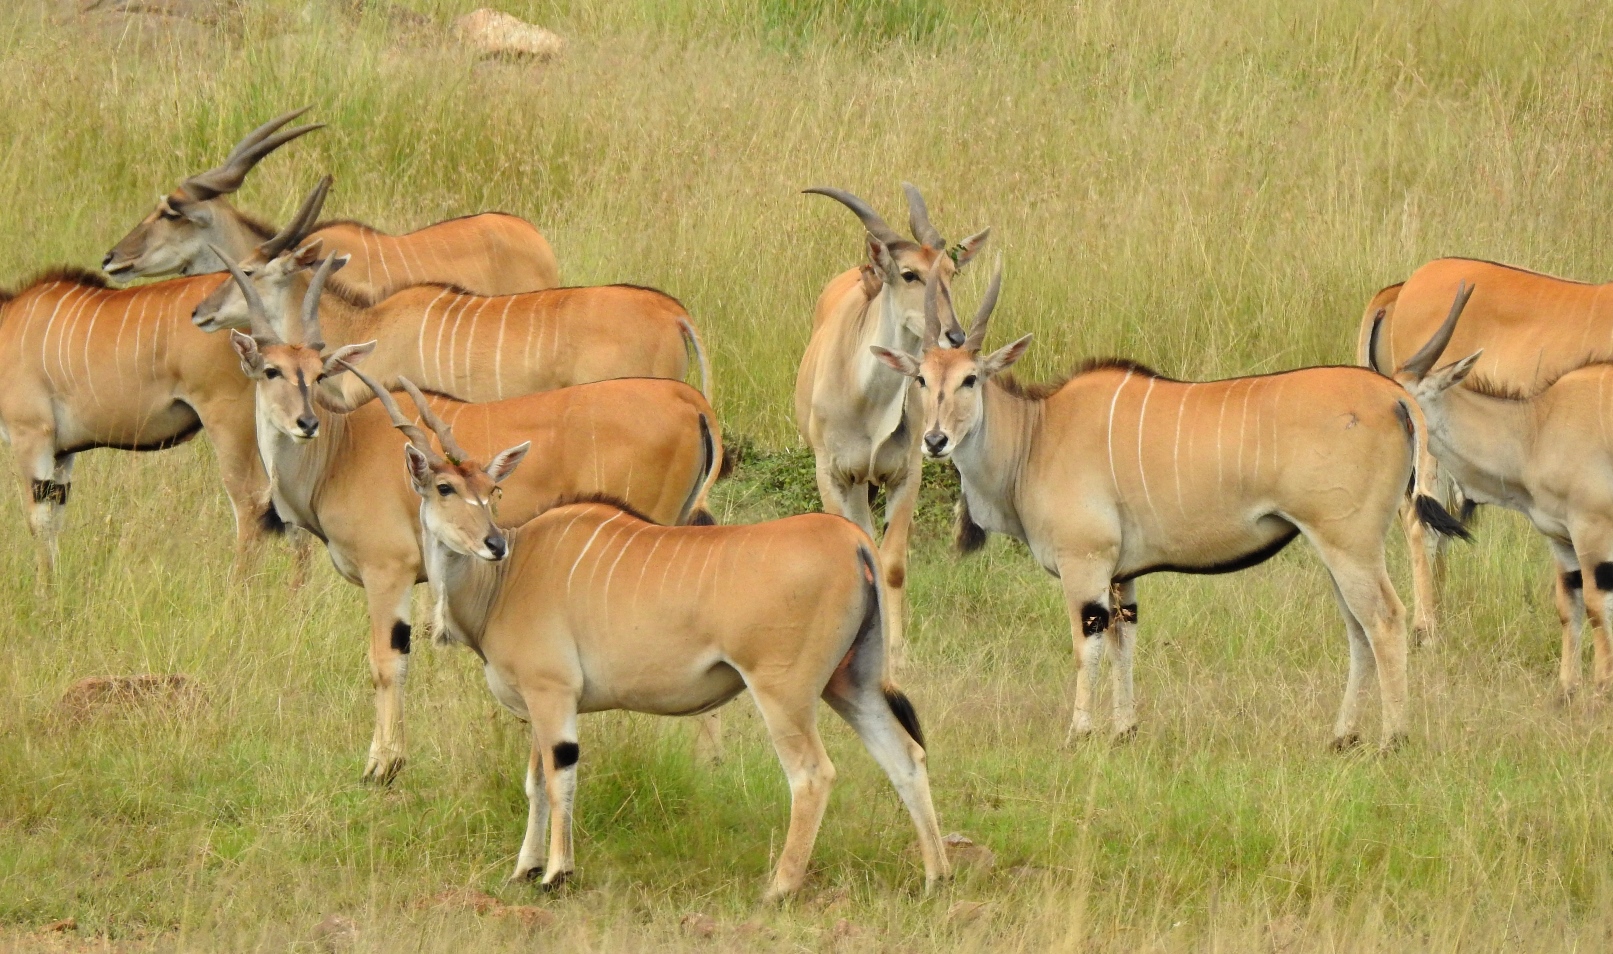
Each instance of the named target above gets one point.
<point>964,853</point>
<point>500,34</point>
<point>333,933</point>
<point>531,916</point>
<point>965,912</point>
<point>60,927</point>
<point>698,925</point>
<point>460,899</point>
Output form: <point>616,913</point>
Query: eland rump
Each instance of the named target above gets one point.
<point>1118,472</point>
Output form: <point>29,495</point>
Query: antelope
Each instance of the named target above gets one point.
<point>1106,484</point>
<point>592,606</point>
<point>862,424</point>
<point>650,441</point>
<point>88,366</point>
<point>1532,329</point>
<point>490,253</point>
<point>1545,455</point>
<point>473,347</point>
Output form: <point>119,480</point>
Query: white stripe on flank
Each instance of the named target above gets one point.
<point>44,338</point>
<point>453,347</point>
<point>138,324</point>
<point>380,252</point>
<point>605,590</point>
<point>584,552</point>
<point>470,342</point>
<point>1601,408</point>
<point>1113,476</point>
<point>1243,420</point>
<point>436,351</point>
<point>89,334</point>
<point>1276,404</point>
<point>1220,428</point>
<point>498,352</point>
<point>425,319</point>
<point>64,344</point>
<point>644,567</point>
<point>1176,450</point>
<point>700,582</point>
<point>670,562</point>
<point>117,345</point>
<point>1142,469</point>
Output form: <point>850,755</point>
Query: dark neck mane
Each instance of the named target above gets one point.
<point>71,274</point>
<point>1041,391</point>
<point>605,499</point>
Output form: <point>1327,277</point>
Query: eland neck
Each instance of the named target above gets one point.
<point>1486,442</point>
<point>991,458</point>
<point>465,587</point>
<point>298,470</point>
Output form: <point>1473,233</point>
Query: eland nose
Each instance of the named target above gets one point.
<point>956,337</point>
<point>106,261</point>
<point>934,443</point>
<point>308,424</point>
<point>496,546</point>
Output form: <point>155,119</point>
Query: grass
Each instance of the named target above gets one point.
<point>1213,191</point>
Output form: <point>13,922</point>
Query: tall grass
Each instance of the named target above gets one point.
<point>1213,189</point>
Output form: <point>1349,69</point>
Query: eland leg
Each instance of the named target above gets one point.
<point>1087,599</point>
<point>388,594</point>
<point>529,863</point>
<point>1122,640</point>
<point>1363,585</point>
<point>554,744</point>
<point>792,724</point>
<point>42,498</point>
<point>1568,592</point>
<point>899,503</point>
<point>1593,546</point>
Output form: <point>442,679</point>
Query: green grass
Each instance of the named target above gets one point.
<point>1213,191</point>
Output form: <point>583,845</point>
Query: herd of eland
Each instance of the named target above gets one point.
<point>551,481</point>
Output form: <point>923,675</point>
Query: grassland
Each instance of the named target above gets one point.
<point>1213,191</point>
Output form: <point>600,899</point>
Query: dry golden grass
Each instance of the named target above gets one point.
<point>1213,191</point>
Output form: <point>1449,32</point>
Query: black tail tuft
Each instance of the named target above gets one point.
<point>967,536</point>
<point>903,710</point>
<point>702,518</point>
<point>730,459</point>
<point>1469,513</point>
<point>269,522</point>
<point>1436,518</point>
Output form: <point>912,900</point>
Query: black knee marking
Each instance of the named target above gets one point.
<point>566,754</point>
<point>270,522</point>
<point>1094,618</point>
<point>1603,575</point>
<point>49,491</point>
<point>400,636</point>
<point>1128,613</point>
<point>1573,580</point>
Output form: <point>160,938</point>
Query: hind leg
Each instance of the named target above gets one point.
<point>1593,547</point>
<point>792,725</point>
<point>1427,571</point>
<point>1364,587</point>
<point>868,709</point>
<point>899,503</point>
<point>1363,670</point>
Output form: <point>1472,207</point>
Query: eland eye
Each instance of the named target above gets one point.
<point>911,277</point>
<point>920,380</point>
<point>271,373</point>
<point>445,490</point>
<point>970,381</point>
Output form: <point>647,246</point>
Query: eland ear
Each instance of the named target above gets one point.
<point>1003,358</point>
<point>897,361</point>
<point>1456,372</point>
<point>967,249</point>
<point>419,466</point>
<point>347,354</point>
<point>503,465</point>
<point>881,259</point>
<point>197,212</point>
<point>247,347</point>
<point>307,256</point>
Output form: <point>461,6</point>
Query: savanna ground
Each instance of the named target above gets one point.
<point>1213,191</point>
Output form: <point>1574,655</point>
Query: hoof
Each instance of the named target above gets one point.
<point>1345,743</point>
<point>1124,736</point>
<point>1392,743</point>
<point>558,883</point>
<point>528,876</point>
<point>379,771</point>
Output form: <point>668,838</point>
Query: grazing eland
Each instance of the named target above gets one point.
<point>1118,472</point>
